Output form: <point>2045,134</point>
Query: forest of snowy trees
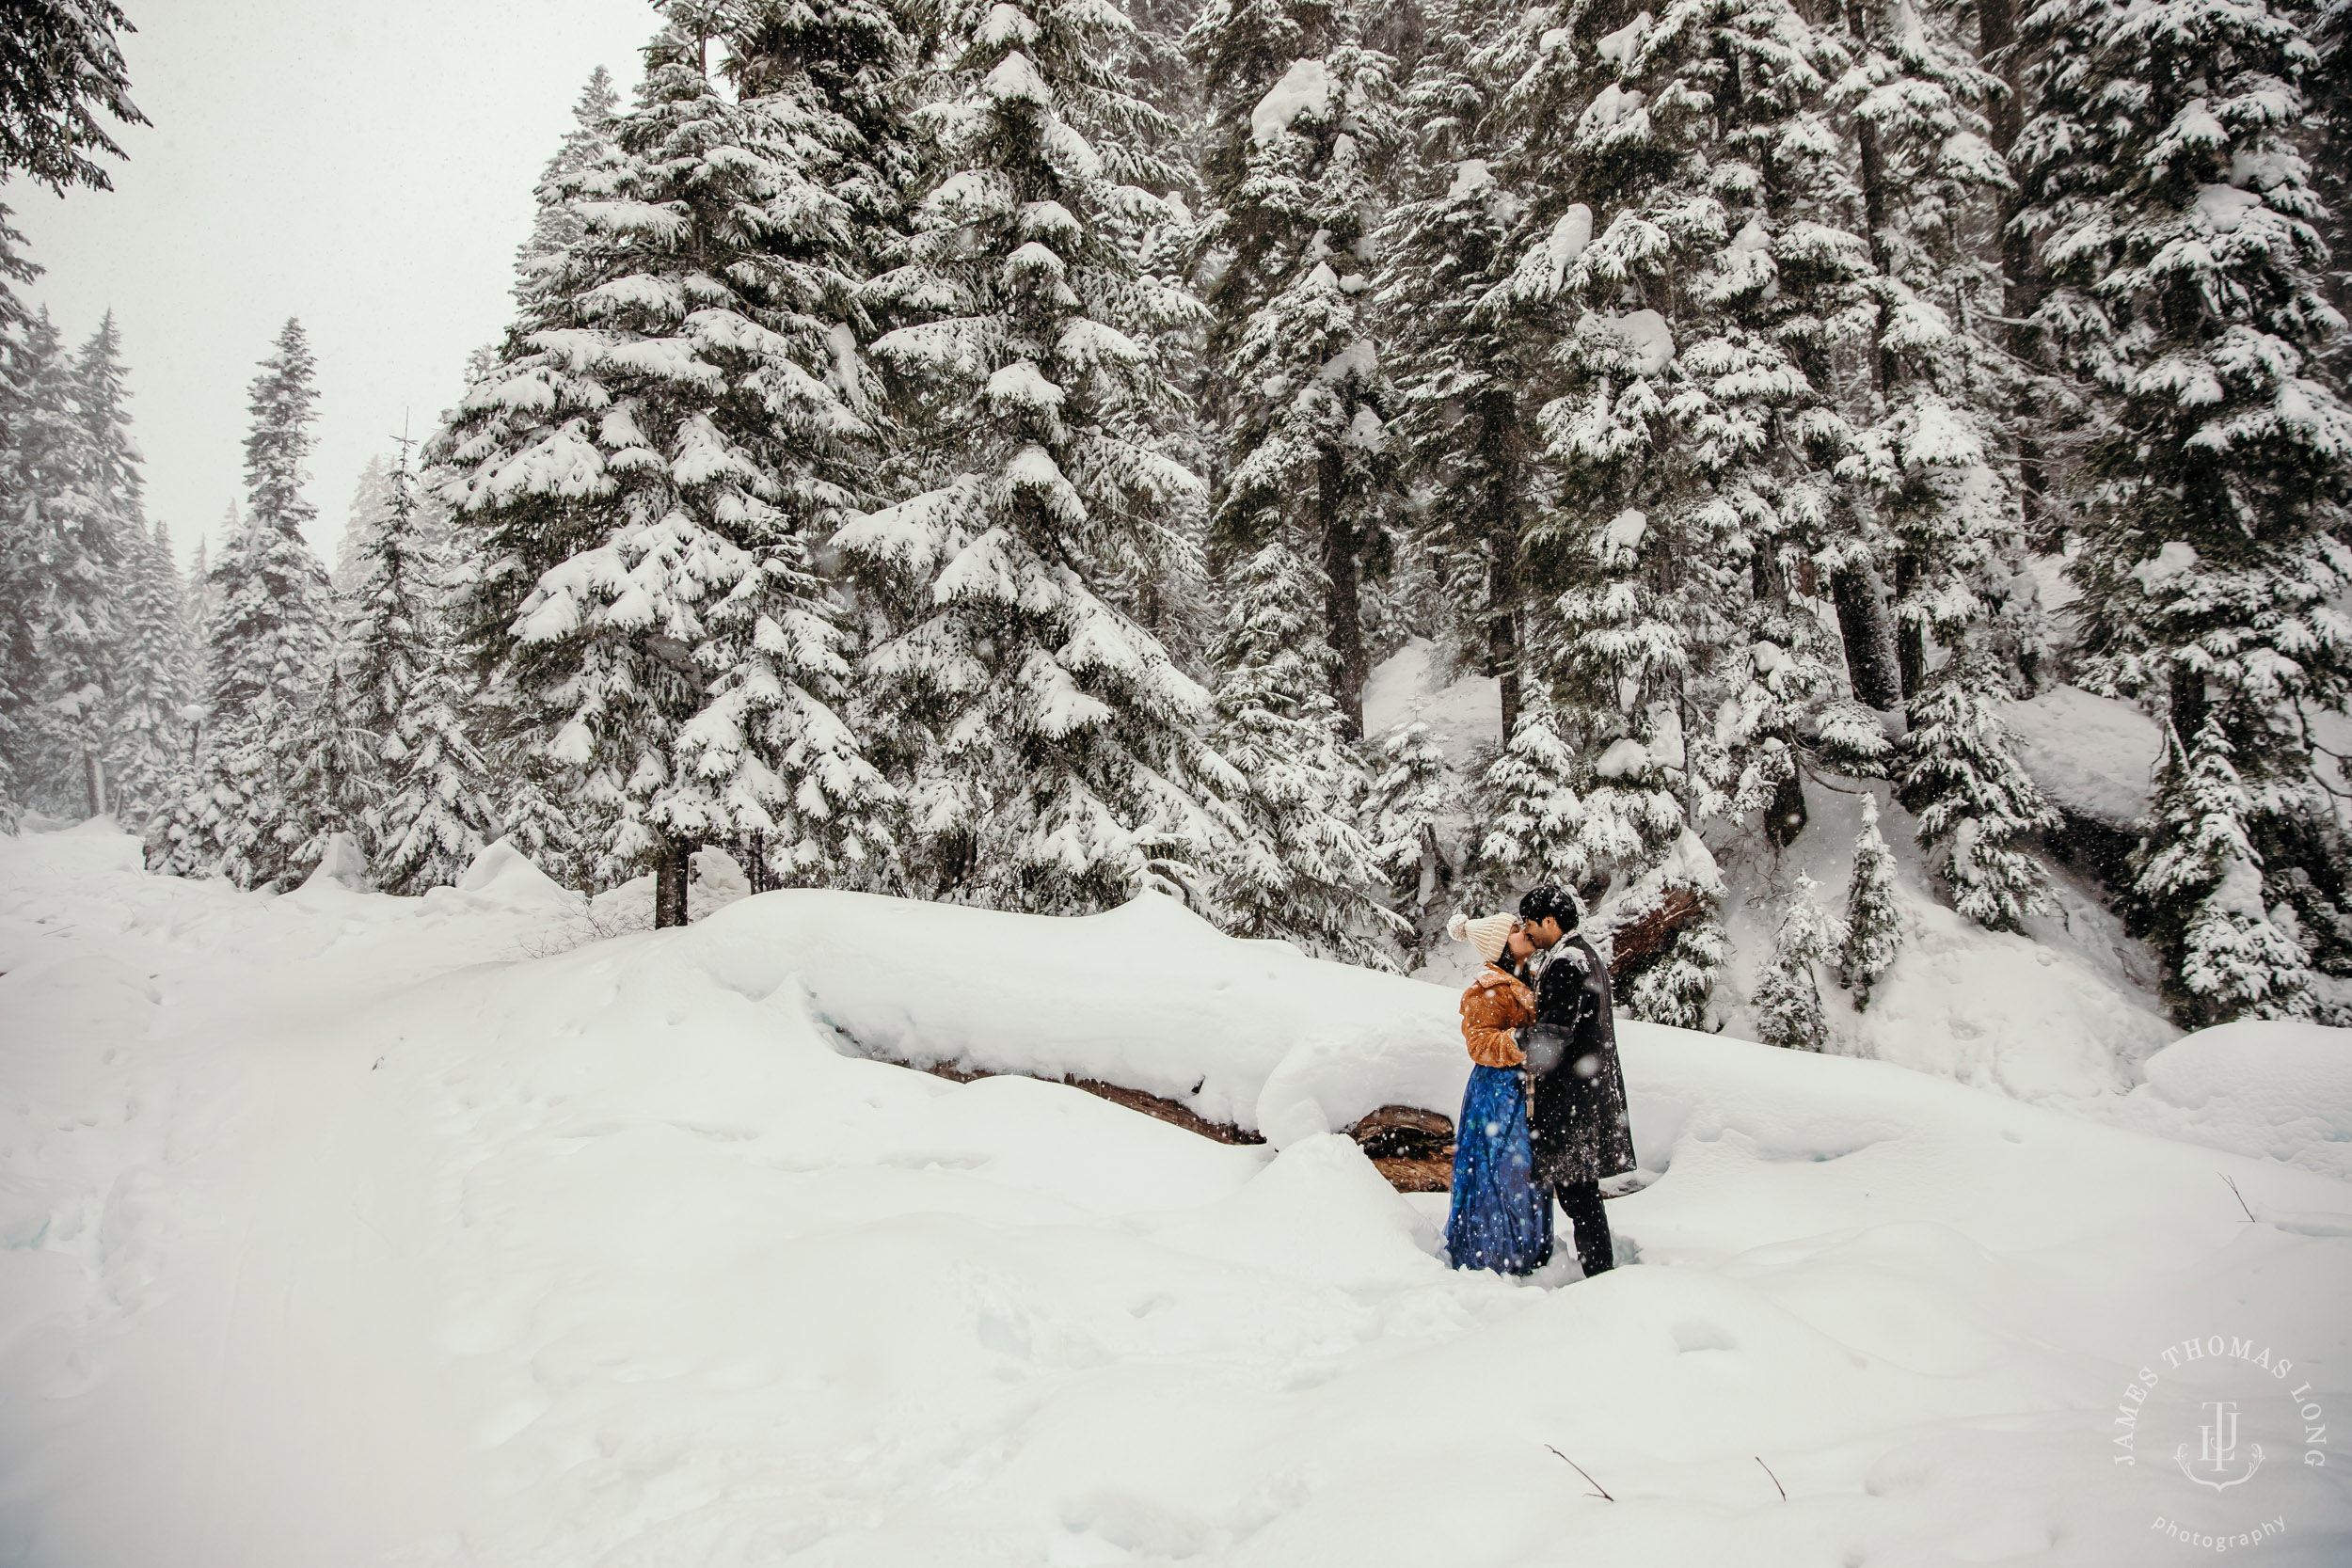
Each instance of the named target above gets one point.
<point>977,450</point>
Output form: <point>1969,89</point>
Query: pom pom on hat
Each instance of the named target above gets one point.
<point>1487,935</point>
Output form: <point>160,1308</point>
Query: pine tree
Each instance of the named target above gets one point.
<point>1297,119</point>
<point>1466,366</point>
<point>333,779</point>
<point>1874,932</point>
<point>434,809</point>
<point>269,650</point>
<point>2177,224</point>
<point>1534,816</point>
<point>66,572</point>
<point>2199,896</point>
<point>1926,507</point>
<point>371,500</point>
<point>1412,797</point>
<point>1789,993</point>
<point>63,70</point>
<point>147,741</point>
<point>1960,777</point>
<point>668,430</point>
<point>1049,747</point>
<point>556,225</point>
<point>1299,869</point>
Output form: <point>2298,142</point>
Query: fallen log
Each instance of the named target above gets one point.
<point>1153,1105</point>
<point>1640,937</point>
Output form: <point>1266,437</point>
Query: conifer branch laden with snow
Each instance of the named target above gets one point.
<point>1051,749</point>
<point>669,431</point>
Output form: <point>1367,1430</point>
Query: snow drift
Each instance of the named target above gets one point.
<point>337,1228</point>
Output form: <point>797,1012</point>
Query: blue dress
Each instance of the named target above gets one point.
<point>1501,1218</point>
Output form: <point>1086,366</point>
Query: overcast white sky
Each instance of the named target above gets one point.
<point>368,168</point>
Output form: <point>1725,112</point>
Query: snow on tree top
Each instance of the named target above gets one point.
<point>1620,47</point>
<point>1305,88</point>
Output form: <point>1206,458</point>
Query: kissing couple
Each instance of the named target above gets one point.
<point>1544,1112</point>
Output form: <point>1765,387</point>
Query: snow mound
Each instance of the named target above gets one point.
<point>503,874</point>
<point>322,1239</point>
<point>2279,1089</point>
<point>343,866</point>
<point>2093,756</point>
<point>1149,995</point>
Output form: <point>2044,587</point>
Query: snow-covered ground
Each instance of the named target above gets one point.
<point>339,1228</point>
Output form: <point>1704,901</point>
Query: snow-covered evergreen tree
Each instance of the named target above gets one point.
<point>1048,748</point>
<point>64,69</point>
<point>269,650</point>
<point>1925,505</point>
<point>1412,797</point>
<point>68,480</point>
<point>1874,931</point>
<point>147,741</point>
<point>1533,815</point>
<point>556,224</point>
<point>435,806</point>
<point>1466,369</point>
<point>371,499</point>
<point>664,436</point>
<point>2179,229</point>
<point>1962,779</point>
<point>333,782</point>
<point>1788,991</point>
<point>1298,117</point>
<point>1299,868</point>
<point>2201,888</point>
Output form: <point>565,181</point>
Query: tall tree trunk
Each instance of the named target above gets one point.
<point>94,782</point>
<point>1868,633</point>
<point>670,874</point>
<point>1910,638</point>
<point>2021,287</point>
<point>1343,609</point>
<point>2188,705</point>
<point>1873,161</point>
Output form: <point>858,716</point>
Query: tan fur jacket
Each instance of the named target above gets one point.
<point>1492,1007</point>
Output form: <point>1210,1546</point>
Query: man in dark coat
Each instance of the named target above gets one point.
<point>1578,1123</point>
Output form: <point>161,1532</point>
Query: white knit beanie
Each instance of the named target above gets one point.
<point>1487,935</point>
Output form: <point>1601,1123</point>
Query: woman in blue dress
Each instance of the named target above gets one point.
<point>1501,1218</point>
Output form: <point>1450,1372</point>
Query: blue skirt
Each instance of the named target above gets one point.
<point>1501,1218</point>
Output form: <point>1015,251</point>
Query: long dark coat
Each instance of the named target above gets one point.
<point>1578,1123</point>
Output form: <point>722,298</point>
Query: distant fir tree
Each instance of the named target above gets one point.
<point>1465,371</point>
<point>1048,748</point>
<point>147,678</point>
<point>1412,797</point>
<point>333,782</point>
<point>556,224</point>
<point>1299,869</point>
<point>2180,234</point>
<point>435,806</point>
<point>1874,931</point>
<point>1960,776</point>
<point>668,429</point>
<point>63,70</point>
<point>148,738</point>
<point>1298,123</point>
<point>371,500</point>
<point>1788,991</point>
<point>269,650</point>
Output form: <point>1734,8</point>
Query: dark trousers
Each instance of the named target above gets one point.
<point>1582,1203</point>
